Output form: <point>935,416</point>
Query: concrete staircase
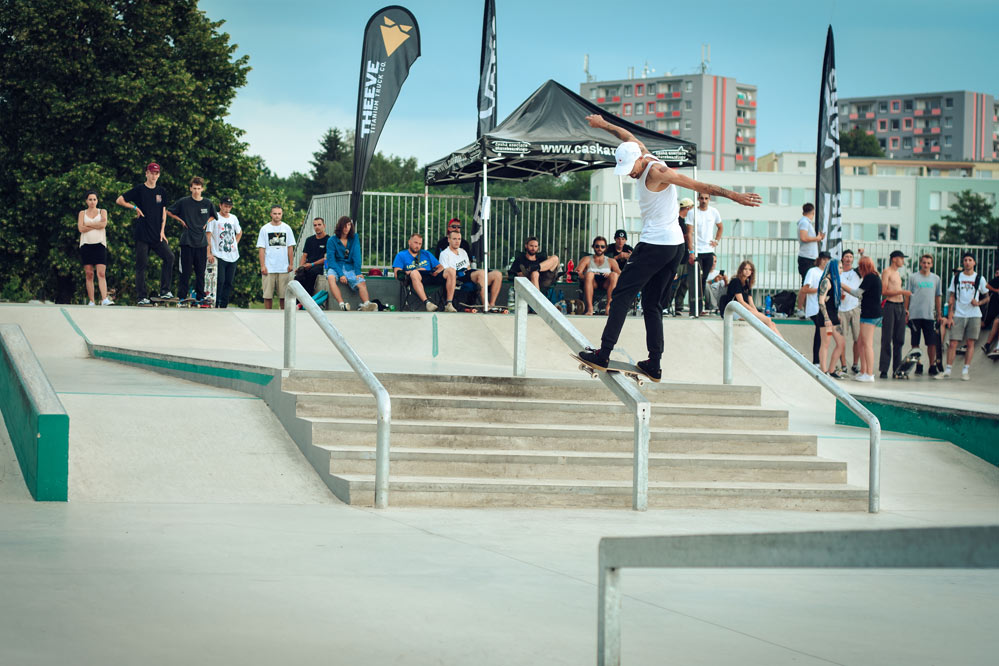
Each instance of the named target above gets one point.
<point>503,441</point>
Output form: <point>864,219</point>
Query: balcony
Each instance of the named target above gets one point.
<point>738,158</point>
<point>935,149</point>
<point>751,158</point>
<point>675,132</point>
<point>745,103</point>
<point>616,98</point>
<point>660,114</point>
<point>934,112</point>
<point>869,114</point>
<point>870,132</point>
<point>601,100</point>
<point>918,130</point>
<point>918,112</point>
<point>853,116</point>
<point>917,149</point>
<point>676,94</point>
<point>675,114</point>
<point>934,130</point>
<point>661,96</point>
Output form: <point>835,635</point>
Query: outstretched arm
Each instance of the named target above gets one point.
<point>673,177</point>
<point>600,122</point>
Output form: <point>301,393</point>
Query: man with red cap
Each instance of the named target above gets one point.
<point>148,200</point>
<point>655,258</point>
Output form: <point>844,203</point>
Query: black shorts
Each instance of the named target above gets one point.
<point>464,278</point>
<point>820,321</point>
<point>924,326</point>
<point>599,280</point>
<point>92,254</point>
<point>430,280</point>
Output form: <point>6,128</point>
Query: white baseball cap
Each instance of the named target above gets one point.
<point>627,154</point>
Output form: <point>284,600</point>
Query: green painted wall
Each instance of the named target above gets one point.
<point>976,433</point>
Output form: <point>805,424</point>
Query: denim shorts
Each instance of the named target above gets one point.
<point>876,321</point>
<point>353,279</point>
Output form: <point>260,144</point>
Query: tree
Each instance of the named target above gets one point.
<point>90,92</point>
<point>858,143</point>
<point>970,222</point>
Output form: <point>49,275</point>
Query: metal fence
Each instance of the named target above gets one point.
<point>386,220</point>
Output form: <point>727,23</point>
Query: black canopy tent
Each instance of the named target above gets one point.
<point>547,134</point>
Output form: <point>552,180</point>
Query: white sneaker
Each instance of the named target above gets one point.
<point>965,374</point>
<point>943,375</point>
<point>107,301</point>
<point>431,307</point>
<point>369,306</point>
<point>345,306</point>
<point>449,307</point>
<point>91,303</point>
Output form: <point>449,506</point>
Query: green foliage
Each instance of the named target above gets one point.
<point>858,143</point>
<point>971,221</point>
<point>90,92</point>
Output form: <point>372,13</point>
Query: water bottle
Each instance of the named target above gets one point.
<point>946,306</point>
<point>568,271</point>
<point>769,305</point>
<point>638,306</point>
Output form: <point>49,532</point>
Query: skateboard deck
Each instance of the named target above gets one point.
<point>908,364</point>
<point>626,369</point>
<point>164,302</point>
<point>477,307</point>
<point>211,281</point>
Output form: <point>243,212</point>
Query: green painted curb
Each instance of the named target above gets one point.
<point>257,378</point>
<point>975,432</point>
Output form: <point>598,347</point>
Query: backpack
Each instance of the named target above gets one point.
<point>783,301</point>
<point>953,284</point>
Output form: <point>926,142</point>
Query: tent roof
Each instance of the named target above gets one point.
<point>548,134</point>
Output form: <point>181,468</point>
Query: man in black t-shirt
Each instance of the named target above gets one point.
<point>194,213</point>
<point>313,257</point>
<point>454,224</point>
<point>535,265</point>
<point>620,249</point>
<point>149,231</point>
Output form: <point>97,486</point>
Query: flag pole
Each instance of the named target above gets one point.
<point>484,209</point>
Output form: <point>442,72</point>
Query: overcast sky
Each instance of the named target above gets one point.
<point>305,56</point>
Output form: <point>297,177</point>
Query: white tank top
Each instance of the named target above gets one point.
<point>660,211</point>
<point>602,270</point>
<point>93,236</point>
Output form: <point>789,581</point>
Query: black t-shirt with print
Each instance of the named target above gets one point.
<point>151,201</point>
<point>195,215</point>
<point>314,250</point>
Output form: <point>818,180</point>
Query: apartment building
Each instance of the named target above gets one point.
<point>718,113</point>
<point>957,125</point>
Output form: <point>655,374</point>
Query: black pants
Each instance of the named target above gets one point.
<point>677,290</point>
<point>196,259</point>
<point>161,248</point>
<point>804,263</point>
<point>307,278</point>
<point>704,263</point>
<point>892,336</point>
<point>648,271</point>
<point>226,272</point>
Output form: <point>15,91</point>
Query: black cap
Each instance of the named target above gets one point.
<point>824,255</point>
<point>896,253</point>
<point>621,233</point>
<point>225,200</point>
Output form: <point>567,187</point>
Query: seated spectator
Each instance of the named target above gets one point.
<point>343,264</point>
<point>312,266</point>
<point>419,269</point>
<point>458,273</point>
<point>598,271</point>
<point>454,224</point>
<point>740,289</point>
<point>620,251</point>
<point>535,265</point>
<point>716,284</point>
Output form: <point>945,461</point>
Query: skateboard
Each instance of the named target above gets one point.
<point>908,364</point>
<point>994,355</point>
<point>476,307</point>
<point>628,370</point>
<point>164,302</point>
<point>211,283</point>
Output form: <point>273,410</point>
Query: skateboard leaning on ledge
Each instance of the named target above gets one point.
<point>627,369</point>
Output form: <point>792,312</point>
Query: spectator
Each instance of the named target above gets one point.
<point>92,224</point>
<point>540,268</point>
<point>869,293</point>
<point>223,236</point>
<point>849,311</point>
<point>276,243</point>
<point>419,268</point>
<point>964,316</point>
<point>708,228</point>
<point>194,213</point>
<point>894,313</point>
<point>343,265</point>
<point>458,271</point>
<point>923,308</point>
<point>740,289</point>
<point>620,251</point>
<point>829,312</point>
<point>312,266</point>
<point>993,310</point>
<point>149,232</point>
<point>597,271</point>
<point>717,285</point>
<point>454,224</point>
<point>677,289</point>
<point>810,289</point>
<point>808,240</point>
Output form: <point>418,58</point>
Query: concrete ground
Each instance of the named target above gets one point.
<point>196,532</point>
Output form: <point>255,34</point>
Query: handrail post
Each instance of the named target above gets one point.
<point>290,336</point>
<point>519,334</point>
<point>841,394</point>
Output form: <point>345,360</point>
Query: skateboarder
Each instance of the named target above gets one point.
<point>148,200</point>
<point>194,213</point>
<point>656,257</point>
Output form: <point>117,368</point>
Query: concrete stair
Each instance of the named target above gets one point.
<point>506,442</point>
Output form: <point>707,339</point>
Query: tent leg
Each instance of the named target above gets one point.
<point>485,241</point>
<point>426,213</point>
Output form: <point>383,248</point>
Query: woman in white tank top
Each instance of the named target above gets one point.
<point>92,225</point>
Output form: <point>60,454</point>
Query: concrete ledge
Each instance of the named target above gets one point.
<point>975,432</point>
<point>36,420</point>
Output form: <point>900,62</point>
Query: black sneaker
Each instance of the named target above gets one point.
<point>653,373</point>
<point>883,375</point>
<point>919,368</point>
<point>855,369</point>
<point>933,371</point>
<point>593,357</point>
<point>166,295</point>
<point>985,348</point>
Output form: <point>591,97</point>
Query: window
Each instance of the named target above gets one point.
<point>882,232</point>
<point>593,93</point>
<point>774,229</point>
<point>862,171</point>
<point>907,105</point>
<point>810,195</point>
<point>882,198</point>
<point>895,199</point>
<point>858,198</point>
<point>688,86</point>
<point>947,141</point>
<point>639,89</point>
<point>883,125</point>
<point>948,121</point>
<point>893,143</point>
<point>882,143</point>
<point>627,109</point>
<point>626,191</point>
<point>893,232</point>
<point>785,196</point>
<point>801,164</point>
<point>785,230</point>
<point>949,102</point>
<point>844,199</point>
<point>883,107</point>
<point>686,124</point>
<point>895,124</point>
<point>907,123</point>
<point>627,91</point>
<point>906,143</point>
<point>985,174</point>
<point>737,228</point>
<point>934,200</point>
<point>774,195</point>
<point>896,106</point>
<point>846,231</point>
<point>639,108</point>
<point>650,107</point>
<point>951,199</point>
<point>687,104</point>
<point>651,88</point>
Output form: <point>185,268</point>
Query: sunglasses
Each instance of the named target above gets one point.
<point>599,247</point>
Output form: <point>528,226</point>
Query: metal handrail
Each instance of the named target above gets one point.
<point>295,292</point>
<point>919,548</point>
<point>734,308</point>
<point>527,295</point>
